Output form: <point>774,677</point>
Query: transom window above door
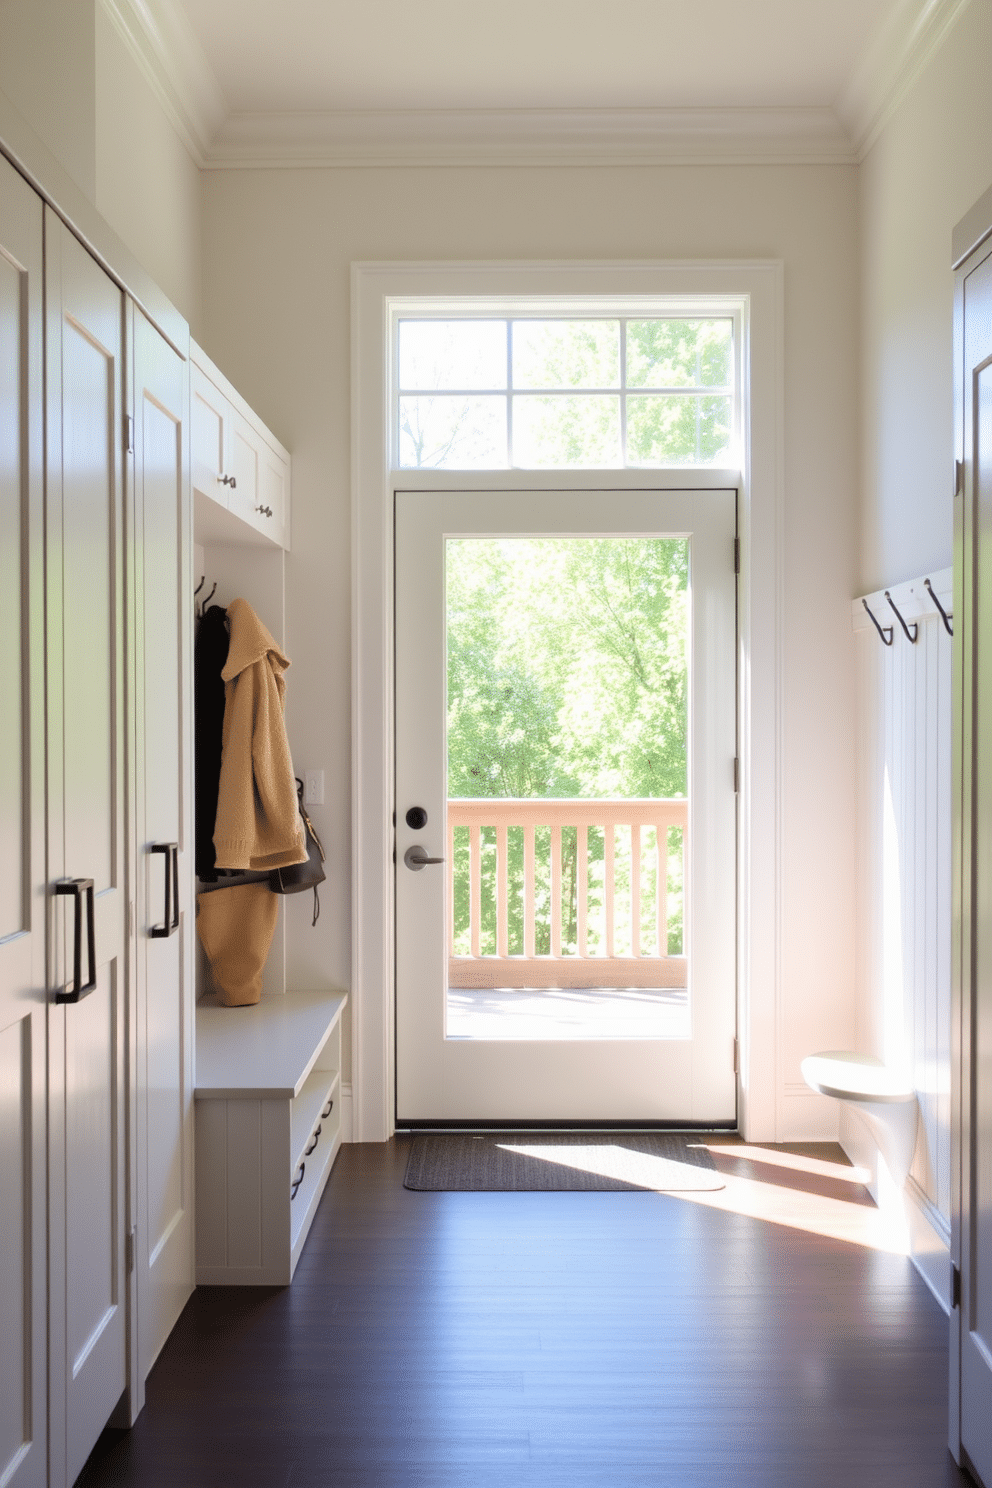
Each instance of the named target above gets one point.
<point>565,393</point>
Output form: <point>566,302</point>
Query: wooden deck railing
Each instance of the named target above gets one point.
<point>577,967</point>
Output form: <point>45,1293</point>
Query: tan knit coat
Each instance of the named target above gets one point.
<point>258,818</point>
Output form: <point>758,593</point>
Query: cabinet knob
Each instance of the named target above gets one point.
<point>228,480</point>
<point>265,510</point>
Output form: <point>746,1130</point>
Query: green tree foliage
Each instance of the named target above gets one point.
<point>567,678</point>
<point>567,667</point>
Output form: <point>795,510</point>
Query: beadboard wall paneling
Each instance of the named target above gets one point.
<point>904,898</point>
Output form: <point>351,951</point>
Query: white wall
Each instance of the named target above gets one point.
<point>931,163</point>
<point>277,250</point>
<point>47,51</point>
<point>147,185</point>
<point>69,77</point>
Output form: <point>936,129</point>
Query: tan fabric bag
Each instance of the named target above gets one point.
<point>236,927</point>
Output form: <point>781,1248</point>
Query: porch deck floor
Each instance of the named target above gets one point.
<point>560,1014</point>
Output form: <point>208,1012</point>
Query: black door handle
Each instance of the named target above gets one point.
<point>77,887</point>
<point>171,920</point>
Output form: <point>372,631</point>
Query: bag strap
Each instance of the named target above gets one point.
<point>312,830</point>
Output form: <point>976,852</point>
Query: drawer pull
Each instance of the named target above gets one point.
<point>316,1139</point>
<point>265,510</point>
<point>294,1186</point>
<point>324,1114</point>
<point>228,480</point>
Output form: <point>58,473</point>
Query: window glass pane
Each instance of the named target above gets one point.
<point>566,353</point>
<point>557,432</point>
<point>465,354</point>
<point>679,429</point>
<point>679,353</point>
<point>453,433</point>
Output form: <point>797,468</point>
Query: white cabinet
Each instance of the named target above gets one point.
<point>268,1127</point>
<point>23,884</point>
<point>95,1036</point>
<point>268,1096</point>
<point>971,1233</point>
<point>160,648</point>
<point>210,436</point>
<point>87,849</point>
<point>240,470</point>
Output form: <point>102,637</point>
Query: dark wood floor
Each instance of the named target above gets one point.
<point>562,1340</point>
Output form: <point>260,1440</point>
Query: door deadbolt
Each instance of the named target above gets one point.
<point>416,818</point>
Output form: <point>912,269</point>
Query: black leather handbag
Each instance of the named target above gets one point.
<point>296,877</point>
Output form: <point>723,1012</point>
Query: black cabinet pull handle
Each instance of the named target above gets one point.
<point>324,1114</point>
<point>77,887</point>
<point>316,1139</point>
<point>171,920</point>
<point>294,1186</point>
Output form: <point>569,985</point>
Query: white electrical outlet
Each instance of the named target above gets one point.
<point>313,788</point>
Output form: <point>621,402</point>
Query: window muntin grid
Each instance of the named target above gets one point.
<point>651,391</point>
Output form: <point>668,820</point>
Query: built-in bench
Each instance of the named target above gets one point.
<point>268,1128</point>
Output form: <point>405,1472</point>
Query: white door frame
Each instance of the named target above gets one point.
<point>757,285</point>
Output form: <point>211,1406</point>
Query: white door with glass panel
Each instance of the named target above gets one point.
<point>565,807</point>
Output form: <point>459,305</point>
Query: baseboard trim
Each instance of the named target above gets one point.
<point>929,1232</point>
<point>929,1243</point>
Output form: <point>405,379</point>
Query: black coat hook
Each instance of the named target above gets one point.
<point>912,639</point>
<point>885,631</point>
<point>943,613</point>
<point>200,585</point>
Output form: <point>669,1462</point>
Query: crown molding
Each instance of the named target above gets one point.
<point>165,47</point>
<point>531,137</point>
<point>894,59</point>
<point>169,55</point>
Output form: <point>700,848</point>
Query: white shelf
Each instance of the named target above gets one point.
<point>266,1051</point>
<point>321,1086</point>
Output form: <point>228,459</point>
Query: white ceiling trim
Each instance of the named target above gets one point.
<point>893,61</point>
<point>165,47</point>
<point>166,50</point>
<point>530,137</point>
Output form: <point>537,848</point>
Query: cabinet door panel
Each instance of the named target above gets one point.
<point>244,463</point>
<point>211,419</point>
<point>23,1239</point>
<point>90,626</point>
<point>161,625</point>
<point>86,814</point>
<point>273,496</point>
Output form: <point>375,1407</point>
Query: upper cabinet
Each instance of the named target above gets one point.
<point>241,473</point>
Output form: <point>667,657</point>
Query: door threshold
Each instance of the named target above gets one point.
<point>417,1128</point>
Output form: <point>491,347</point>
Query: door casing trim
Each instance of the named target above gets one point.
<point>758,286</point>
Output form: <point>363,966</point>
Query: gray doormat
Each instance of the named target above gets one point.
<point>560,1162</point>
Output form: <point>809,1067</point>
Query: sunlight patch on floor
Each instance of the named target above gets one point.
<point>624,1165</point>
<point>793,1161</point>
<point>797,1207</point>
<point>802,1208</point>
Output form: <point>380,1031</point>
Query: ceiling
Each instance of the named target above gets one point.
<point>443,54</point>
<point>288,80</point>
